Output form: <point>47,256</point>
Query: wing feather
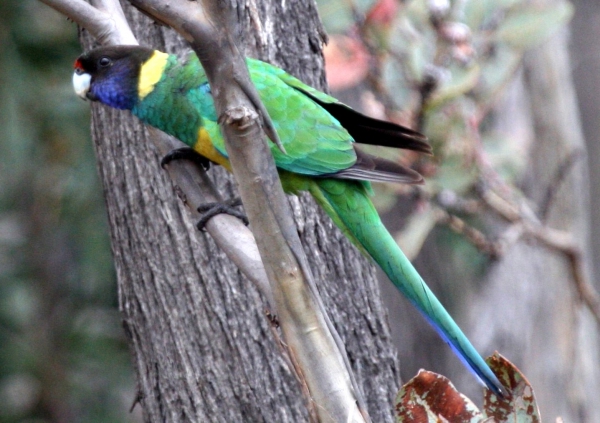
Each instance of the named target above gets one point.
<point>376,169</point>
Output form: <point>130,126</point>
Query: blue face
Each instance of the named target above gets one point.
<point>116,86</point>
<point>113,73</point>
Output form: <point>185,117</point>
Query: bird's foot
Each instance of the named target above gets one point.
<point>185,153</point>
<point>210,210</point>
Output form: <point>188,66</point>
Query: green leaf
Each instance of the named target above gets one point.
<point>507,153</point>
<point>497,70</point>
<point>414,43</point>
<point>455,176</point>
<point>528,26</point>
<point>461,81</point>
<point>337,15</point>
<point>396,82</point>
<point>478,12</point>
<point>417,11</point>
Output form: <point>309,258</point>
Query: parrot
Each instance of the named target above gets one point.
<point>319,135</point>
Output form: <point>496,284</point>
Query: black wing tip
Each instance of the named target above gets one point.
<point>377,169</point>
<point>389,134</point>
<point>422,146</point>
<point>416,140</point>
<point>368,130</point>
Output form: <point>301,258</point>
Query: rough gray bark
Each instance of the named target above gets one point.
<point>202,347</point>
<point>525,305</point>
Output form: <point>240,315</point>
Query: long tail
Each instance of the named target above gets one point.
<point>348,204</point>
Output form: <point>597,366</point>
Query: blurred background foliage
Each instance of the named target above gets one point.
<point>442,67</point>
<point>63,355</point>
<point>435,65</point>
<point>439,66</point>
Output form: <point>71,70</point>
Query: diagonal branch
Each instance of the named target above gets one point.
<point>231,235</point>
<point>524,222</point>
<point>106,22</point>
<point>564,243</point>
<point>321,363</point>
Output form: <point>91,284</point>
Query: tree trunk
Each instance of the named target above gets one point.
<point>202,346</point>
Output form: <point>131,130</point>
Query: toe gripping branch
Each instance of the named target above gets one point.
<point>185,153</point>
<point>207,210</point>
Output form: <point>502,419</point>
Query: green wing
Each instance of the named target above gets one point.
<point>315,142</point>
<point>317,131</point>
<point>363,129</point>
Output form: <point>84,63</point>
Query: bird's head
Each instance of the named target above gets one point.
<point>111,75</point>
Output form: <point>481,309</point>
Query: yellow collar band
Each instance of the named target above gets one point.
<point>151,72</point>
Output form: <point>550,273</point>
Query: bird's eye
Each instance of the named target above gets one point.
<point>104,62</point>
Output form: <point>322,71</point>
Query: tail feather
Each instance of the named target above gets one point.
<point>348,204</point>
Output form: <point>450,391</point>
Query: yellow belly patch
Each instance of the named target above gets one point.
<point>205,148</point>
<point>151,72</point>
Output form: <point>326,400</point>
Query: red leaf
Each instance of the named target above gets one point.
<point>429,397</point>
<point>383,12</point>
<point>521,403</point>
<point>346,62</point>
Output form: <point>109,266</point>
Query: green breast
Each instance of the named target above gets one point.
<point>172,105</point>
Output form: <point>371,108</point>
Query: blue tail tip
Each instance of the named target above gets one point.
<point>496,387</point>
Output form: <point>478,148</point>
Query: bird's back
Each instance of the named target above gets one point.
<point>181,104</point>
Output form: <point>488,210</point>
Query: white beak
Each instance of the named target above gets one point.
<point>81,84</point>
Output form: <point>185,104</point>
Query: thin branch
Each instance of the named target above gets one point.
<point>560,175</point>
<point>83,14</point>
<point>475,236</point>
<point>233,237</point>
<point>107,26</point>
<point>525,223</point>
<point>564,243</point>
<point>504,208</point>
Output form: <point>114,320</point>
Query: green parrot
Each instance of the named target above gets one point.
<point>319,135</point>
